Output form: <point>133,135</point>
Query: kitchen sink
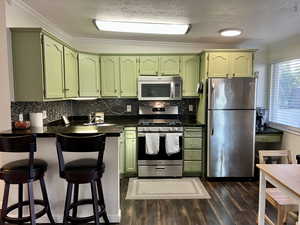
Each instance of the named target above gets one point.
<point>99,124</point>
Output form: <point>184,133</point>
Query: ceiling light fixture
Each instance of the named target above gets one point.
<point>230,32</point>
<point>145,28</point>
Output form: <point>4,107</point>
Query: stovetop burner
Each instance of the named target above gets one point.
<point>160,122</point>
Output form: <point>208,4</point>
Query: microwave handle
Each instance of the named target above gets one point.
<point>172,90</point>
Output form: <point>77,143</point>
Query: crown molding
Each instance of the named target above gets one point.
<point>46,23</point>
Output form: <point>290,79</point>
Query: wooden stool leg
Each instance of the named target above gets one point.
<point>46,200</point>
<point>101,198</point>
<point>280,215</point>
<point>75,199</point>
<point>20,208</point>
<point>5,202</point>
<point>95,202</point>
<point>31,202</point>
<point>67,203</point>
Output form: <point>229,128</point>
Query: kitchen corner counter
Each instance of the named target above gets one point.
<point>269,130</point>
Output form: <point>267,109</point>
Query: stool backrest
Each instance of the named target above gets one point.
<point>275,156</point>
<point>19,144</point>
<point>79,143</point>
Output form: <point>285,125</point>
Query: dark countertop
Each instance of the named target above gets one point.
<point>269,130</point>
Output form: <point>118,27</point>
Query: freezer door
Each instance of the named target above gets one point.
<point>234,93</point>
<point>230,143</point>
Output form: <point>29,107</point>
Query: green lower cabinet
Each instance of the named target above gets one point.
<point>193,154</point>
<point>192,168</point>
<point>53,68</point>
<point>128,76</point>
<point>193,143</point>
<point>130,152</point>
<point>264,138</point>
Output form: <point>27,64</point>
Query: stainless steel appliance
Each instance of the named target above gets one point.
<point>159,88</point>
<point>231,127</point>
<point>162,120</point>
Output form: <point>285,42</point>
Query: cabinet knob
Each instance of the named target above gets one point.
<point>156,73</point>
<point>66,89</point>
<point>116,90</point>
<point>234,74</point>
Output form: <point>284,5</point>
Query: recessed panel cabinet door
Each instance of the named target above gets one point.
<point>219,64</point>
<point>89,75</point>
<point>110,76</point>
<point>149,65</point>
<point>71,73</point>
<point>168,65</point>
<point>241,64</point>
<point>190,74</point>
<point>53,68</point>
<point>128,76</point>
<point>130,155</point>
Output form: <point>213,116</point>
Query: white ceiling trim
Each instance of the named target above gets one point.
<point>47,24</point>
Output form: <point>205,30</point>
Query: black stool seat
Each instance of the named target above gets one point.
<point>87,169</point>
<point>22,165</point>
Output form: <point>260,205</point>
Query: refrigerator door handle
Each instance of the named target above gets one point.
<point>212,132</point>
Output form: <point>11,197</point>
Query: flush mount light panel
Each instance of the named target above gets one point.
<point>145,28</point>
<point>230,32</point>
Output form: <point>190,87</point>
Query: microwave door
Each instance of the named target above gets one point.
<point>155,91</point>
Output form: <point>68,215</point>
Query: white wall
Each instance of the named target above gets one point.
<point>5,115</point>
<point>282,50</point>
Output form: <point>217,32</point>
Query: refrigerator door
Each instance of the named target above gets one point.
<point>234,93</point>
<point>230,143</point>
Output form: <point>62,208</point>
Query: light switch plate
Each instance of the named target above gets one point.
<point>44,114</point>
<point>191,108</point>
<point>128,108</point>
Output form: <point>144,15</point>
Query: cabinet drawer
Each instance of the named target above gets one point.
<point>193,143</point>
<point>192,166</point>
<point>192,133</point>
<point>130,134</point>
<point>192,155</point>
<point>268,138</point>
<point>193,129</point>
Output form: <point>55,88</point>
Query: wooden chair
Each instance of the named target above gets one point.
<point>274,196</point>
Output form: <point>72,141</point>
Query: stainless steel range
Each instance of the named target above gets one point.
<point>161,119</point>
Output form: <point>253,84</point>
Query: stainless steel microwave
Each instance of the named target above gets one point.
<point>159,88</point>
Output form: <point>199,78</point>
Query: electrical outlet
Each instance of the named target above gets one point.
<point>128,108</point>
<point>44,114</point>
<point>191,108</point>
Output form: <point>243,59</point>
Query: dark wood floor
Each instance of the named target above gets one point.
<point>231,203</point>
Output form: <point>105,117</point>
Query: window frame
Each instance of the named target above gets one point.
<point>280,126</point>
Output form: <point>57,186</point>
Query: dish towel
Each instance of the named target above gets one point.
<point>172,143</point>
<point>152,143</point>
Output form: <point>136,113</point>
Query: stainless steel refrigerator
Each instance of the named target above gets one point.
<point>231,127</point>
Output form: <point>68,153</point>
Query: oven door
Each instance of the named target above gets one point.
<point>162,158</point>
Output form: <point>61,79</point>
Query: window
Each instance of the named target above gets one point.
<point>285,94</point>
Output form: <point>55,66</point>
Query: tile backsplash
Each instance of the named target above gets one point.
<point>83,107</point>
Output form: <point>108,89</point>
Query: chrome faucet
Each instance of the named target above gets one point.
<point>92,117</point>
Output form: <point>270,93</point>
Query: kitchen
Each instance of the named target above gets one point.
<point>163,88</point>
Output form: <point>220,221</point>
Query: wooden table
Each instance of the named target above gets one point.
<point>283,176</point>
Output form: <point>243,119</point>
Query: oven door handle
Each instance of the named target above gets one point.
<point>161,134</point>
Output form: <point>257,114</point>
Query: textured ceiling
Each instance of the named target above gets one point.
<point>261,20</point>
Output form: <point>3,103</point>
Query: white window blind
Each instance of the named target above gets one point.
<point>285,93</point>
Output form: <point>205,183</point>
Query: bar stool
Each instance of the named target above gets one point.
<point>21,172</point>
<point>82,171</point>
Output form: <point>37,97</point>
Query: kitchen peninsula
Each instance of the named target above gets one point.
<point>46,149</point>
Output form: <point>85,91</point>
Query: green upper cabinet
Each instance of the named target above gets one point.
<point>190,74</point>
<point>53,68</point>
<point>218,64</point>
<point>89,75</point>
<point>169,65</point>
<point>230,63</point>
<point>148,65</point>
<point>110,76</point>
<point>71,73</point>
<point>128,76</point>
<point>242,64</point>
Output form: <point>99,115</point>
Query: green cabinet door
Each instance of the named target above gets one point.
<point>128,76</point>
<point>190,74</point>
<point>169,65</point>
<point>89,75</point>
<point>110,76</point>
<point>130,151</point>
<point>149,65</point>
<point>53,68</point>
<point>71,73</point>
<point>241,64</point>
<point>219,64</point>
